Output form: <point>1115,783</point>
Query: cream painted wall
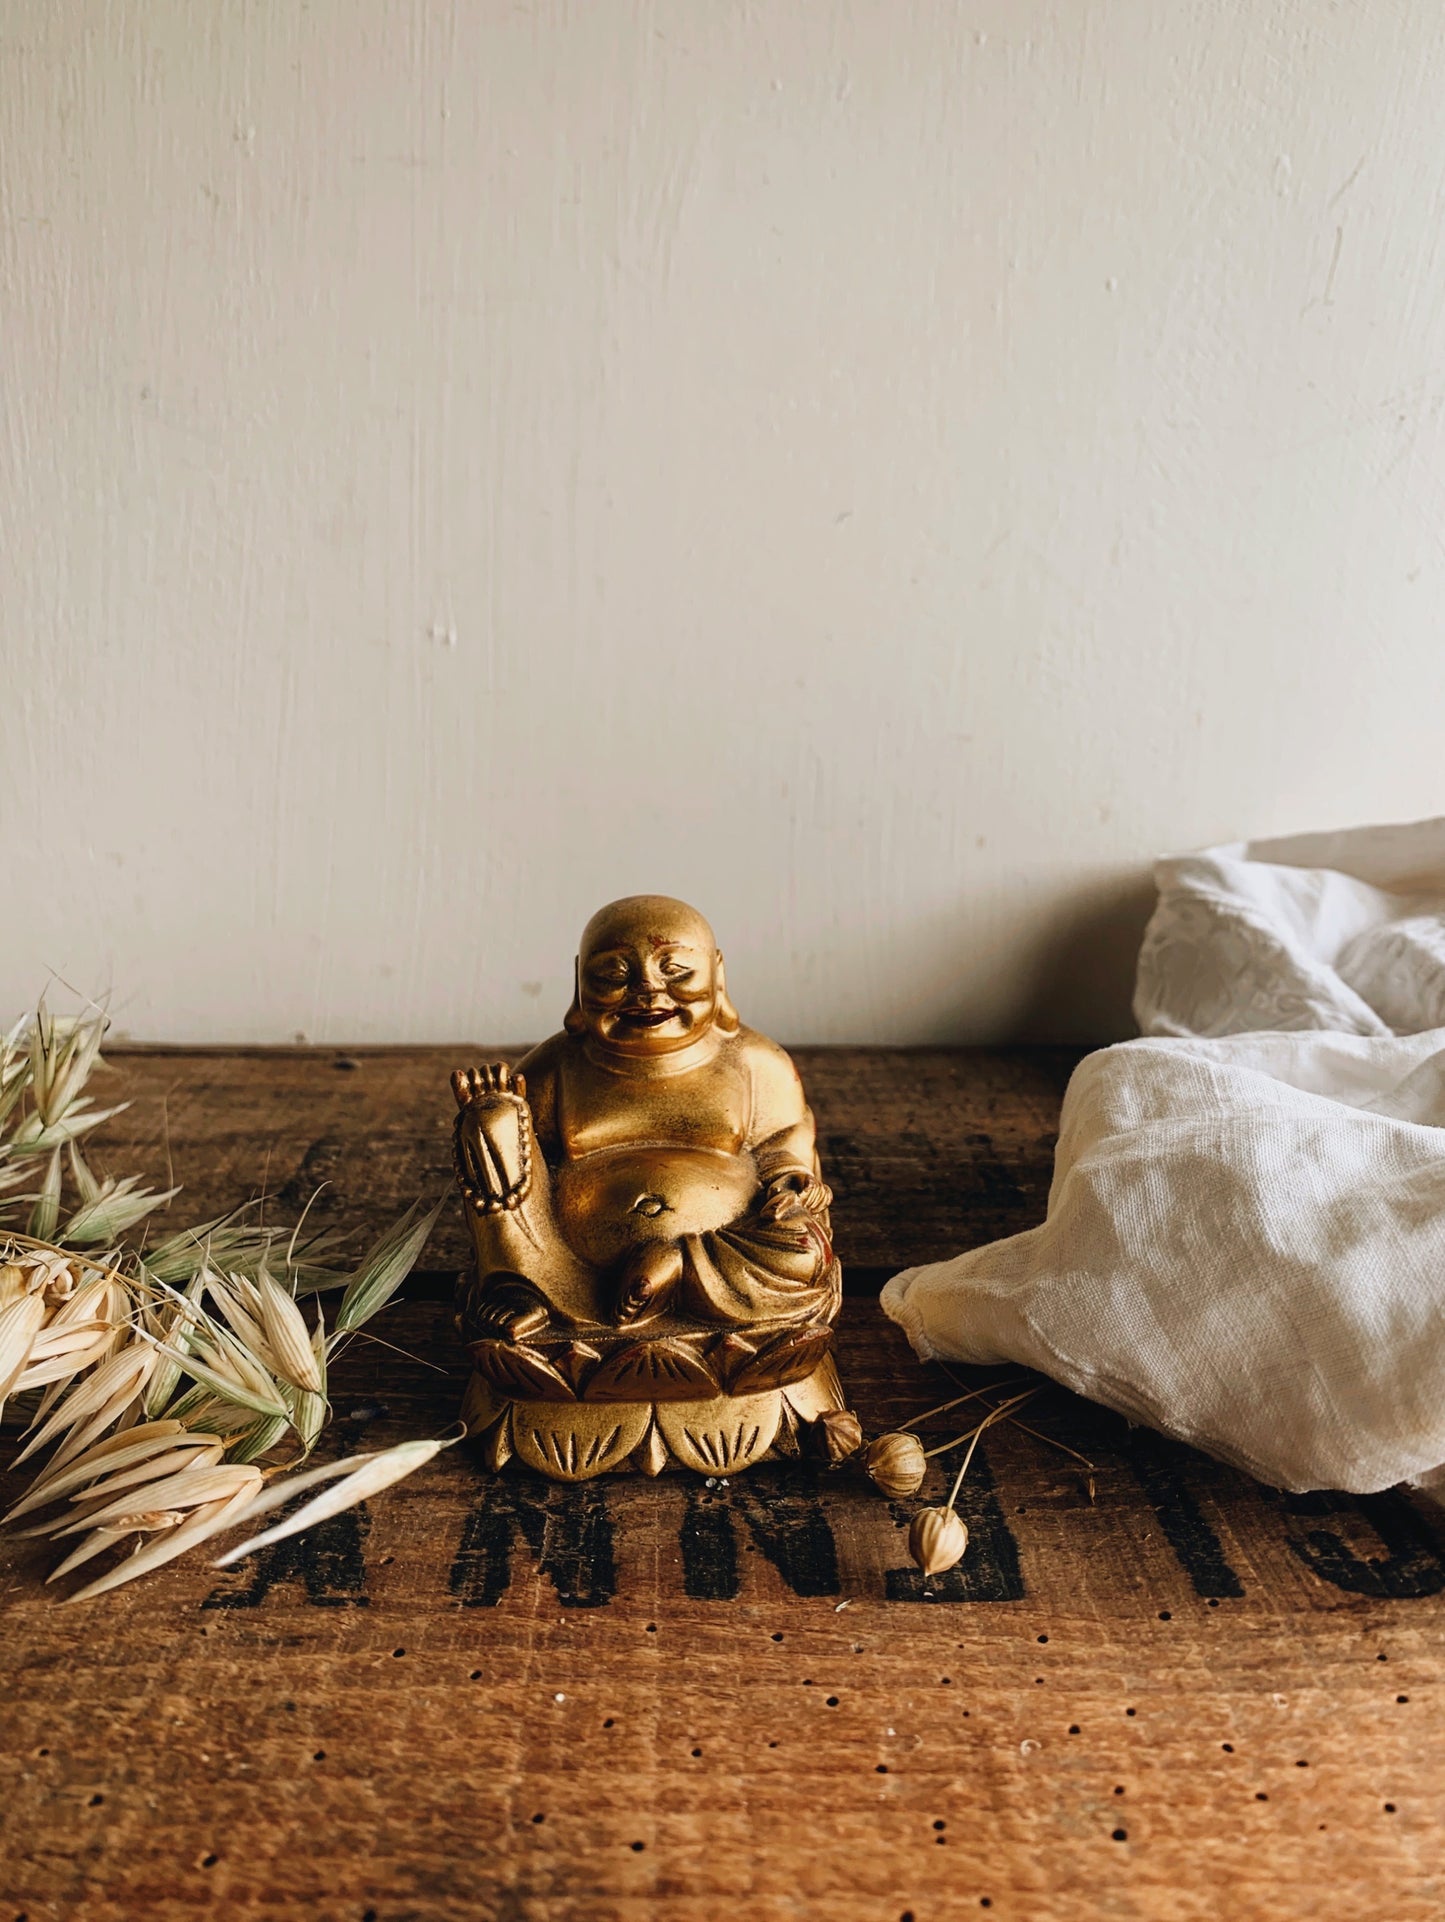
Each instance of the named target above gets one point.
<point>881,470</point>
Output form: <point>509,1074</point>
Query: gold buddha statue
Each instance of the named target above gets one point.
<point>655,1280</point>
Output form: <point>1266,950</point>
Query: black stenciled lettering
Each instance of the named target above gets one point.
<point>989,1572</point>
<point>565,1525</point>
<point>1410,1567</point>
<point>785,1519</point>
<point>1158,1465</point>
<point>325,1561</point>
<point>709,1548</point>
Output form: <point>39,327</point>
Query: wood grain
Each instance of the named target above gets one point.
<point>928,1149</point>
<point>1186,1698</point>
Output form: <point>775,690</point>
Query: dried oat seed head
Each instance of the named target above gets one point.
<point>288,1336</point>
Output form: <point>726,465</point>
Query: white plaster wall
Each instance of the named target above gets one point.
<point>879,469</point>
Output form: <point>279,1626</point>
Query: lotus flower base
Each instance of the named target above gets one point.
<point>575,1439</point>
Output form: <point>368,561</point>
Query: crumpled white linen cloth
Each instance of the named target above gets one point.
<point>1245,1239</point>
<point>1340,931</point>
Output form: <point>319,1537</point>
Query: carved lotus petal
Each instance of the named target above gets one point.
<point>519,1371</point>
<point>729,1353</point>
<point>481,1405</point>
<point>817,1393</point>
<point>661,1370</point>
<point>574,1444</point>
<point>651,1457</point>
<point>497,1443</point>
<point>721,1436</point>
<point>574,1361</point>
<point>791,1357</point>
<point>786,1441</point>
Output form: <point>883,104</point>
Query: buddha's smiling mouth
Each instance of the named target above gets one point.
<point>649,1017</point>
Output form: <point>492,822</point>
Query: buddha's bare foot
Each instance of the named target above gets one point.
<point>500,1309</point>
<point>648,1282</point>
<point>492,1142</point>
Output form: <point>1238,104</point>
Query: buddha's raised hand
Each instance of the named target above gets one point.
<point>472,1085</point>
<point>492,1139</point>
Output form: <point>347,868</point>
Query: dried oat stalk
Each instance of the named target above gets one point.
<point>171,1390</point>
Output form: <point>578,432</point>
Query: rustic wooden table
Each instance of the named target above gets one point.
<point>1187,1697</point>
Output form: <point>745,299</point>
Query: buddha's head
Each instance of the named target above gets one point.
<point>649,979</point>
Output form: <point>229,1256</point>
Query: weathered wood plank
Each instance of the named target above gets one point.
<point>928,1150</point>
<point>748,1681</point>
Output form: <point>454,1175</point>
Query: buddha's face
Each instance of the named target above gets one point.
<point>648,977</point>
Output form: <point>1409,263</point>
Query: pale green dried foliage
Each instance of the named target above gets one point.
<point>233,1246</point>
<point>385,1267</point>
<point>170,1388</point>
<point>46,1061</point>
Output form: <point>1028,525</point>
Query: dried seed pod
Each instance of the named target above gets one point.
<point>896,1464</point>
<point>937,1539</point>
<point>835,1436</point>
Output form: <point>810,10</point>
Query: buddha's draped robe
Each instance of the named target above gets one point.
<point>743,1109</point>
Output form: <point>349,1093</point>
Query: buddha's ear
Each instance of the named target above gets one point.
<point>573,1021</point>
<point>726,1016</point>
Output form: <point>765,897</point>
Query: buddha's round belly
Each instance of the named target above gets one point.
<point>616,1198</point>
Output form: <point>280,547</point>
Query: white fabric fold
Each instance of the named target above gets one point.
<point>1337,931</point>
<point>1245,1238</point>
